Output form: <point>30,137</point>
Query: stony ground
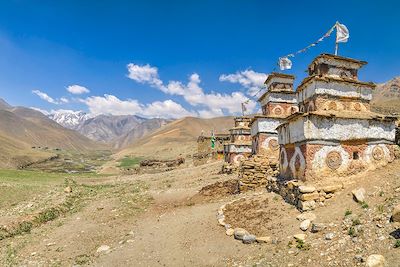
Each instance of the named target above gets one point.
<point>167,219</point>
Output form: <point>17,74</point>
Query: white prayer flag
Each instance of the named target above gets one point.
<point>285,63</point>
<point>342,33</point>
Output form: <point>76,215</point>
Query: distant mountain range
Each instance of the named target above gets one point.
<point>119,131</point>
<point>386,98</point>
<point>27,135</point>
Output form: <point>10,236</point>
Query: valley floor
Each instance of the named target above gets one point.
<point>162,220</point>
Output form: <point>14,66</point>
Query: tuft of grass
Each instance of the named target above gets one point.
<point>356,221</point>
<point>82,259</point>
<point>10,259</point>
<point>364,205</point>
<point>352,232</point>
<point>397,244</point>
<point>348,212</point>
<point>47,215</point>
<point>302,245</point>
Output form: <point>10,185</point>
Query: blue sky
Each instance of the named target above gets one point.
<point>167,58</point>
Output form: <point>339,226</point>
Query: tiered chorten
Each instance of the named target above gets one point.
<point>239,147</point>
<point>335,134</point>
<point>277,103</point>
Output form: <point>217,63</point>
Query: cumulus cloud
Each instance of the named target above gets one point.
<point>77,89</point>
<point>110,104</point>
<point>211,104</point>
<point>45,97</point>
<point>249,79</point>
<point>144,74</point>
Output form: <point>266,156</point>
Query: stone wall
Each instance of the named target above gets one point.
<point>304,197</point>
<point>254,172</point>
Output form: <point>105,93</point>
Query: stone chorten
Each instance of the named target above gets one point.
<point>239,147</point>
<point>277,103</point>
<point>335,134</point>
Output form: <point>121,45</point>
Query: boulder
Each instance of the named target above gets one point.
<point>230,232</point>
<point>306,216</point>
<point>306,205</point>
<point>396,214</point>
<point>375,260</point>
<point>359,194</point>
<point>248,239</point>
<point>317,227</point>
<point>305,224</point>
<point>306,189</point>
<point>239,233</point>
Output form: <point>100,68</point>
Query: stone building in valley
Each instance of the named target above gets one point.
<point>277,103</point>
<point>239,146</point>
<point>335,134</point>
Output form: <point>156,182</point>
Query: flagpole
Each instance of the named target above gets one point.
<point>336,48</point>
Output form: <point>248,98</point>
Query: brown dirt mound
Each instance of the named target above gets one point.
<point>218,190</point>
<point>258,214</point>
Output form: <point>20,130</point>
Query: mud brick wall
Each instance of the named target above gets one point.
<point>254,172</point>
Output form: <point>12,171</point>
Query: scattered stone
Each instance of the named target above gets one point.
<point>263,239</point>
<point>68,189</point>
<point>301,237</point>
<point>329,236</point>
<point>230,232</point>
<point>306,189</point>
<point>311,196</point>
<point>305,224</point>
<point>248,239</point>
<point>103,248</point>
<point>332,188</point>
<point>306,205</point>
<point>359,194</point>
<point>239,233</point>
<point>396,214</point>
<point>375,260</point>
<point>306,216</point>
<point>317,227</point>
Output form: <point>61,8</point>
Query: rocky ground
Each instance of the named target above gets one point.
<point>170,219</point>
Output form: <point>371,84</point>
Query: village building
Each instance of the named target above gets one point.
<point>335,134</point>
<point>239,146</point>
<point>278,102</point>
<point>206,153</point>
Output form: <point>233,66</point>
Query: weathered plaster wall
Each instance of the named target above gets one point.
<point>324,102</point>
<point>279,98</point>
<point>265,125</point>
<point>335,89</point>
<point>320,163</point>
<point>335,129</point>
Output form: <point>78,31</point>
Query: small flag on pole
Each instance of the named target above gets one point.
<point>212,140</point>
<point>342,33</point>
<point>285,63</point>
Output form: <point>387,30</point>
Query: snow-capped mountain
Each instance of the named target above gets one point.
<point>116,130</point>
<point>69,118</point>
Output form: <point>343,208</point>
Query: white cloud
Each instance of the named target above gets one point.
<point>109,104</point>
<point>64,100</point>
<point>249,79</point>
<point>212,104</point>
<point>77,89</point>
<point>45,97</point>
<point>144,74</point>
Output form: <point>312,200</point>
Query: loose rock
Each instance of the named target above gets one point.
<point>396,214</point>
<point>306,189</point>
<point>103,248</point>
<point>317,227</point>
<point>306,216</point>
<point>359,194</point>
<point>305,224</point>
<point>68,189</point>
<point>329,236</point>
<point>263,239</point>
<point>375,260</point>
<point>301,237</point>
<point>239,233</point>
<point>248,239</point>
